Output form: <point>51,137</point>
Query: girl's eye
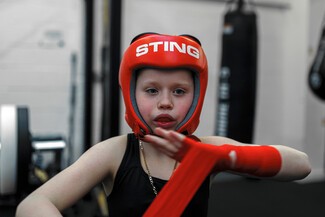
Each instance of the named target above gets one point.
<point>151,90</point>
<point>179,91</point>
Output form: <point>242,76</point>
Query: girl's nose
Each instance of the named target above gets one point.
<point>165,101</point>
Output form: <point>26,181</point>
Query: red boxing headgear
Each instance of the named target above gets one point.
<point>151,50</point>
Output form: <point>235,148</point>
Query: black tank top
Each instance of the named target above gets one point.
<point>132,192</point>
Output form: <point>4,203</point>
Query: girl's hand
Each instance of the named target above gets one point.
<point>169,142</point>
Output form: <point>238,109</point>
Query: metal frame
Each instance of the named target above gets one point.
<point>9,149</point>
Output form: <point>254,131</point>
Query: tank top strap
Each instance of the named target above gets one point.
<point>131,156</point>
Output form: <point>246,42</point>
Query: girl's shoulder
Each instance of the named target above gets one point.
<point>113,149</point>
<point>117,142</point>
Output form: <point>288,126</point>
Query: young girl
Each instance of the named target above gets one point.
<point>163,79</point>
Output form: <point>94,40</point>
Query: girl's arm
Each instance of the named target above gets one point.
<point>292,164</point>
<point>67,187</point>
<point>295,164</point>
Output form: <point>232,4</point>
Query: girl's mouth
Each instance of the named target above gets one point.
<point>164,121</point>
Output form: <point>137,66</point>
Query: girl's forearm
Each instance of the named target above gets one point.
<point>295,164</point>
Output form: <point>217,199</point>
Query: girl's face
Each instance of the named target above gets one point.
<point>164,97</point>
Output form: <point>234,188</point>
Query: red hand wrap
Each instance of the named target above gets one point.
<point>262,161</point>
<point>199,160</point>
<point>179,190</point>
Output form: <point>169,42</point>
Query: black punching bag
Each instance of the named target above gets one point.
<point>237,76</point>
<point>316,76</point>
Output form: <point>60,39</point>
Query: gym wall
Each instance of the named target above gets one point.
<point>38,39</point>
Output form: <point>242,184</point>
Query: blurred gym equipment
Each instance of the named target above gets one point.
<point>238,74</point>
<point>316,76</point>
<point>24,160</point>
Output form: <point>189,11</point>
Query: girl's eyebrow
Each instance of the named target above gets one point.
<point>175,83</point>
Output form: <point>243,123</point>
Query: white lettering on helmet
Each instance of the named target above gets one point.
<point>155,45</point>
<point>175,45</point>
<point>170,46</point>
<point>193,51</point>
<point>142,49</point>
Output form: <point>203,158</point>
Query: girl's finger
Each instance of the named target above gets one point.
<point>161,143</point>
<point>172,136</point>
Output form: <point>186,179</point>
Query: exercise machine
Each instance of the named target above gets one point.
<point>22,164</point>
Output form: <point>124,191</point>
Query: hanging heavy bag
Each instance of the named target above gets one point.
<point>237,77</point>
<point>316,77</point>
